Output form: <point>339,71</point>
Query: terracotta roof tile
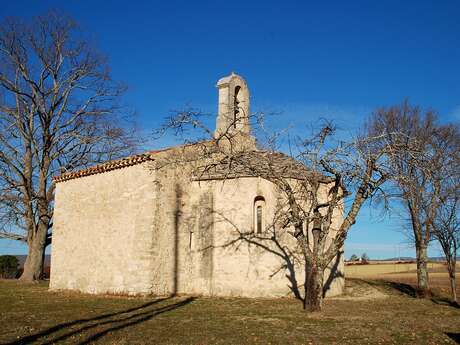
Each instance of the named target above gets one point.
<point>116,164</point>
<point>104,167</point>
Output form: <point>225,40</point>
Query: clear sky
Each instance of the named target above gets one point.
<point>306,59</point>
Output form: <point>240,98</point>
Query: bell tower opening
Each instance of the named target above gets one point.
<point>236,106</point>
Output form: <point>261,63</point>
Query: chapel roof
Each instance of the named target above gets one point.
<point>109,165</point>
<point>254,163</point>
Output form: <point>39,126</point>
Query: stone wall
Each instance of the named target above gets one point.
<point>252,267</point>
<point>200,245</point>
<point>138,230</point>
<point>103,232</point>
<point>182,222</point>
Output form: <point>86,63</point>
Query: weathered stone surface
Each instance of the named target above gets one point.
<point>140,231</point>
<point>102,235</point>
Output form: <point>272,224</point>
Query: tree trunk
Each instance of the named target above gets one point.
<point>453,287</point>
<point>33,267</point>
<point>313,287</point>
<point>451,266</point>
<point>423,289</point>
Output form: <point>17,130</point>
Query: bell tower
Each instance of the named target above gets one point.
<point>233,113</point>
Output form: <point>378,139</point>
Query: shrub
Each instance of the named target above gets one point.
<point>8,266</point>
<point>365,258</point>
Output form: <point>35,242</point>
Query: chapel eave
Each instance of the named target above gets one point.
<point>104,167</point>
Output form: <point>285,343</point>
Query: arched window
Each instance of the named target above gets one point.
<point>236,106</point>
<point>259,214</point>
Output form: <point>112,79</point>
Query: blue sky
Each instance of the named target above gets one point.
<point>332,59</point>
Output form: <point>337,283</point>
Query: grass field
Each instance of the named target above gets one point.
<point>377,269</point>
<point>371,312</point>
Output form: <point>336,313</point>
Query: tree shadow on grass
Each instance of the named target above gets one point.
<point>389,286</point>
<point>454,336</point>
<point>411,291</point>
<point>405,289</point>
<point>442,300</point>
<point>109,322</point>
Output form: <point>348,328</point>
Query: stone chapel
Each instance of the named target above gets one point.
<point>140,226</point>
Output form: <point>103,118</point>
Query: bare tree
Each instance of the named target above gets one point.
<point>59,110</point>
<point>323,183</point>
<point>446,177</point>
<point>417,158</point>
<point>446,229</point>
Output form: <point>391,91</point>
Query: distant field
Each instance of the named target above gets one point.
<point>377,269</point>
<point>30,314</point>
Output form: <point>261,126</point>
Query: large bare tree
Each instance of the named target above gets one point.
<point>59,110</point>
<point>323,183</point>
<point>419,159</point>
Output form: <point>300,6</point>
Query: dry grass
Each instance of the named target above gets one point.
<point>32,314</point>
<point>373,270</point>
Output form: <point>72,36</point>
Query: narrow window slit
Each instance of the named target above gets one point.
<point>259,215</point>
